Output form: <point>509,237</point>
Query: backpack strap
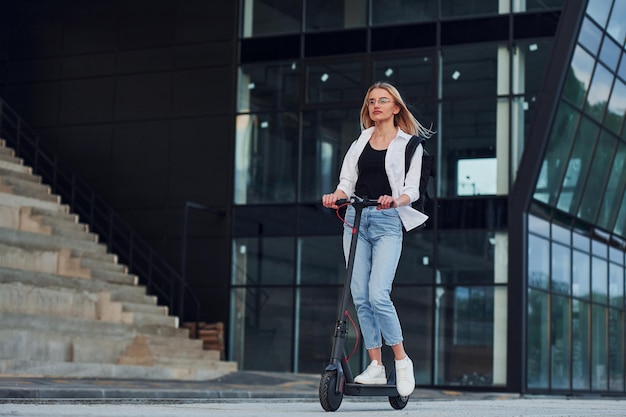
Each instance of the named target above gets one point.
<point>414,142</point>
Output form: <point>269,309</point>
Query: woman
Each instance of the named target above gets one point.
<point>374,167</point>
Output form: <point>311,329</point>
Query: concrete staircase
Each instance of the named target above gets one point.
<point>68,309</point>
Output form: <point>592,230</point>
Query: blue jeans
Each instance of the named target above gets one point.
<point>377,254</point>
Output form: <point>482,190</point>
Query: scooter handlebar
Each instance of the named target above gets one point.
<point>357,200</point>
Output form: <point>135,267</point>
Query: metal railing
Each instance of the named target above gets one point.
<point>132,250</point>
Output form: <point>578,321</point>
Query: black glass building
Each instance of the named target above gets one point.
<point>518,281</point>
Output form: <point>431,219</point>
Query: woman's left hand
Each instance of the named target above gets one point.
<point>386,202</point>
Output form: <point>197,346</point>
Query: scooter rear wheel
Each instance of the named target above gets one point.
<point>329,398</point>
<point>398,402</point>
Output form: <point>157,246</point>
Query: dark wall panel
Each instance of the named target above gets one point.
<point>87,149</point>
<point>195,92</point>
<point>140,155</point>
<point>143,96</point>
<point>88,100</point>
<point>139,97</point>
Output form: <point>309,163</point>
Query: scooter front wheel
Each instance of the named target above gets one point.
<point>330,399</point>
<point>398,402</point>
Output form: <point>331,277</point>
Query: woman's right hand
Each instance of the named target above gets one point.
<point>329,200</point>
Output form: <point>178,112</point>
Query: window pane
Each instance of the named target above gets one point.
<point>414,76</point>
<point>599,10</point>
<point>266,157</point>
<point>616,108</point>
<point>577,166</point>
<point>450,8</point>
<point>538,226</point>
<point>580,274</point>
<point>270,17</point>
<point>560,338</point>
<point>590,36</point>
<point>597,178</point>
<point>613,194</point>
<point>317,317</point>
<point>610,53</point>
<point>415,309</point>
<point>268,87</point>
<point>598,95</point>
<point>599,359</point>
<point>620,223</point>
<point>264,261</point>
<point>465,343</point>
<point>403,11</point>
<point>470,133</point>
<point>321,260</point>
<point>465,257</point>
<point>561,234</point>
<point>470,71</point>
<point>616,285</point>
<point>580,345</point>
<point>617,25</point>
<point>561,268</point>
<point>538,342</point>
<point>332,83</point>
<point>326,136</point>
<point>578,77</point>
<point>599,280</point>
<point>416,264</point>
<point>334,14</point>
<point>616,350</point>
<point>538,262</point>
<point>258,335</point>
<point>541,4</point>
<point>553,167</point>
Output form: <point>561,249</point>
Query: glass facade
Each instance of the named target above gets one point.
<point>575,261</point>
<point>474,71</point>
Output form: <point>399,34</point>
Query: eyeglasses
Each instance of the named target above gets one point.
<point>382,101</point>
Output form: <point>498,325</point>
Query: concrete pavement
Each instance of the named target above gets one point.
<point>240,384</point>
<point>266,394</point>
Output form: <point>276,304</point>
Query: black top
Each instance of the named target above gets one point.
<point>372,181</point>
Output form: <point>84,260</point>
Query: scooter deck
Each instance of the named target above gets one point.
<point>386,390</point>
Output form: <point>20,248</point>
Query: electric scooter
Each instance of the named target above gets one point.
<point>337,379</point>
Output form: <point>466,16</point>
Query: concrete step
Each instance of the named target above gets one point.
<point>132,307</point>
<point>154,351</point>
<point>35,241</point>
<point>27,176</point>
<point>119,292</point>
<point>28,184</point>
<point>8,157</point>
<point>19,298</point>
<point>114,277</point>
<point>40,193</point>
<point>103,370</point>
<point>19,201</point>
<point>147,319</point>
<point>73,326</point>
<point>4,150</point>
<point>40,260</point>
<point>61,215</point>
<point>15,167</point>
<point>94,264</point>
<point>26,344</point>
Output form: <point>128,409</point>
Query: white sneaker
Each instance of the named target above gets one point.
<point>374,374</point>
<point>405,379</point>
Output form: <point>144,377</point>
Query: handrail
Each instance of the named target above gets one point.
<point>132,250</point>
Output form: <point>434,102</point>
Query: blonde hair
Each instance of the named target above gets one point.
<point>404,119</point>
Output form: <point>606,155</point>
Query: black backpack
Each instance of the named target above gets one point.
<point>428,170</point>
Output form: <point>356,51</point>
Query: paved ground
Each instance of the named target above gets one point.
<point>262,394</point>
<point>241,384</point>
